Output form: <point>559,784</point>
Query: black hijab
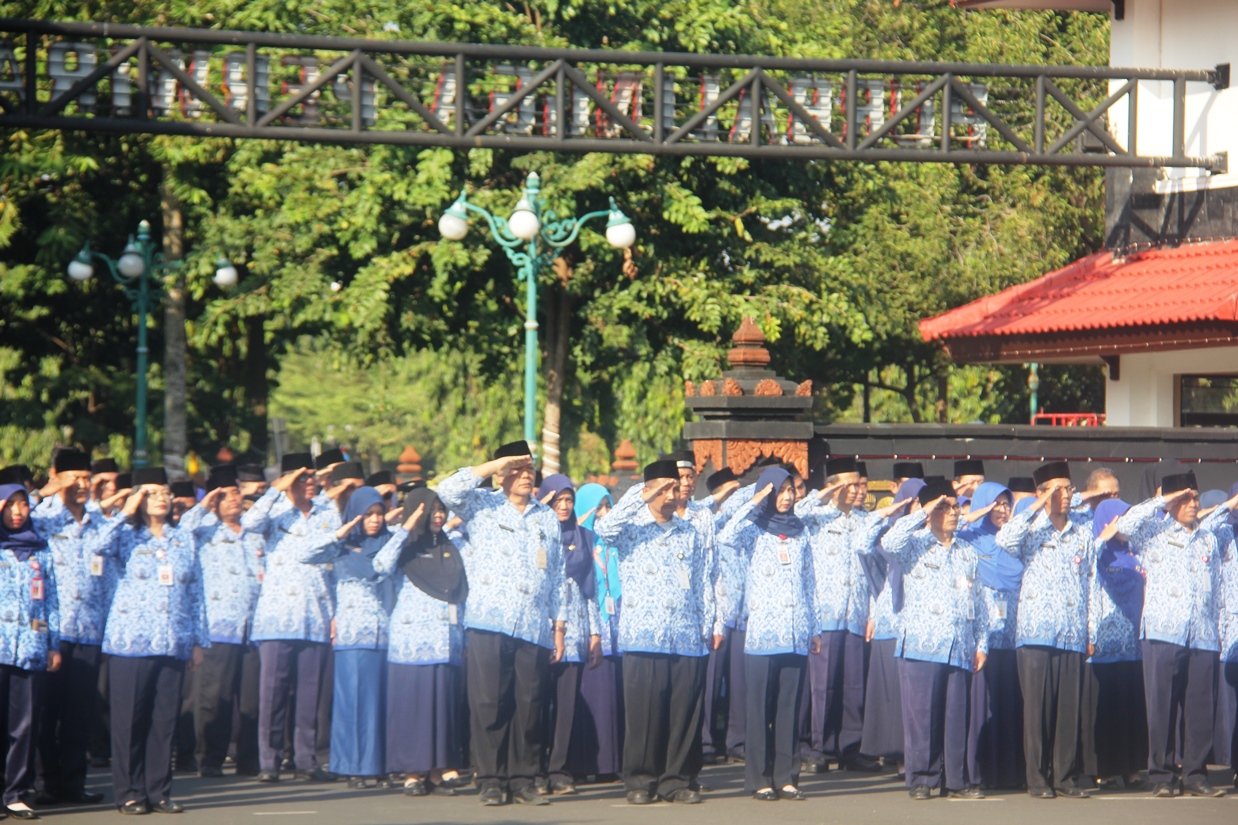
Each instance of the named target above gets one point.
<point>577,540</point>
<point>765,515</point>
<point>429,559</point>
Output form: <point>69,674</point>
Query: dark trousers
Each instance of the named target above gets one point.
<point>565,690</point>
<point>1051,681</point>
<point>282,662</point>
<point>836,676</point>
<point>145,700</point>
<point>245,713</point>
<point>101,727</point>
<point>737,695</point>
<point>68,717</point>
<point>775,684</point>
<point>663,696</point>
<point>1179,683</point>
<point>714,716</point>
<point>505,685</point>
<point>1114,740</point>
<point>19,697</point>
<point>326,698</point>
<point>217,691</point>
<point>935,711</point>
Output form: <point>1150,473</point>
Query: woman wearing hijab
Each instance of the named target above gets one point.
<point>995,732</point>
<point>1113,713</point>
<point>782,630</point>
<point>582,640</point>
<point>29,640</point>
<point>598,730</point>
<point>363,600</point>
<point>426,722</point>
<point>1222,522</point>
<point>157,623</point>
<point>883,697</point>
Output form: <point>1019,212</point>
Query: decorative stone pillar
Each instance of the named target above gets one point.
<point>750,412</point>
<point>408,467</point>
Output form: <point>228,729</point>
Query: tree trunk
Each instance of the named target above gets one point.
<point>175,429</point>
<point>254,380</point>
<point>559,327</point>
<point>943,397</point>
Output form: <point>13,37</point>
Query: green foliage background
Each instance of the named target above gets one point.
<point>422,345</point>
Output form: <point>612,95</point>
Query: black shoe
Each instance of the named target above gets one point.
<point>43,798</point>
<point>167,806</point>
<point>24,812</point>
<point>1201,787</point>
<point>736,758</point>
<point>639,798</point>
<point>134,808</point>
<point>792,794</point>
<point>317,775</point>
<point>268,776</point>
<point>356,783</point>
<point>443,790</point>
<point>415,787</point>
<point>860,764</point>
<point>814,765</point>
<point>1074,792</point>
<point>288,765</point>
<point>1163,790</point>
<point>529,795</point>
<point>210,771</point>
<point>100,762</point>
<point>493,795</point>
<point>248,770</point>
<point>970,792</point>
<point>921,792</point>
<point>684,796</point>
<point>562,787</point>
<point>187,764</point>
<point>1042,793</point>
<point>767,795</point>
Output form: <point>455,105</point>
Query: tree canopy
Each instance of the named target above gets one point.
<point>354,320</point>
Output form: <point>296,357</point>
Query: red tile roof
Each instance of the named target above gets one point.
<point>1189,284</point>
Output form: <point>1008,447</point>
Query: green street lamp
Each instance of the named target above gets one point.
<point>137,262</point>
<point>541,233</point>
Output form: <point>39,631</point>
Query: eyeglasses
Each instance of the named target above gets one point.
<point>1001,504</point>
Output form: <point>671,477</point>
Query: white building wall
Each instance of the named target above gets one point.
<point>1143,395</point>
<point>1179,34</point>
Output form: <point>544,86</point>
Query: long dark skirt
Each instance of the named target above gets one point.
<point>1113,719</point>
<point>995,735</point>
<point>424,720</point>
<point>883,704</point>
<point>357,712</point>
<point>1225,742</point>
<point>597,730</point>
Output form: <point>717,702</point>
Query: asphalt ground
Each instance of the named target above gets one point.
<point>836,797</point>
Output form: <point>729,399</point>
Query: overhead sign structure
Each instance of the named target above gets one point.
<point>114,78</point>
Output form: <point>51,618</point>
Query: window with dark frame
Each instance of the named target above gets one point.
<point>1208,401</point>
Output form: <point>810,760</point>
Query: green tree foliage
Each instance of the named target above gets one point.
<point>352,313</point>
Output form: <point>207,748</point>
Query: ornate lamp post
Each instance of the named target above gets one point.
<point>132,270</point>
<point>541,233</point>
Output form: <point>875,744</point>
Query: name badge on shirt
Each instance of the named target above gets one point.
<point>453,614</point>
<point>36,589</point>
<point>685,581</point>
<point>166,577</point>
<point>784,557</point>
<point>541,558</point>
<point>999,607</point>
<point>96,565</point>
<point>1179,545</point>
<point>971,611</point>
<point>609,605</point>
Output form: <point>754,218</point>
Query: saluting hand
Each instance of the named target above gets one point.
<point>976,515</point>
<point>212,498</point>
<point>284,483</point>
<point>338,490</point>
<point>933,505</point>
<point>116,498</point>
<point>656,488</point>
<point>347,528</point>
<point>411,521</point>
<point>393,515</point>
<point>891,509</point>
<point>1111,530</point>
<point>763,493</point>
<point>133,502</point>
<point>1170,498</point>
<point>828,490</point>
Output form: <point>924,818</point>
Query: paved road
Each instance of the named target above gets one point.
<point>836,798</point>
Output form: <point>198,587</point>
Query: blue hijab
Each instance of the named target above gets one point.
<point>765,515</point>
<point>998,569</point>
<point>357,560</point>
<point>577,540</point>
<point>894,571</point>
<point>606,563</point>
<point>1118,568</point>
<point>23,541</point>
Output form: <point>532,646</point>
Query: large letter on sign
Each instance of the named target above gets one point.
<point>817,97</point>
<point>63,77</point>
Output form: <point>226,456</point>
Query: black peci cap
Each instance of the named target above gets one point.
<point>1021,484</point>
<point>150,475</point>
<point>1180,481</point>
<point>1051,470</point>
<point>968,467</point>
<point>104,465</point>
<point>295,461</point>
<point>124,481</point>
<point>664,468</point>
<point>347,470</point>
<point>380,478</point>
<point>69,460</point>
<point>183,489</point>
<point>723,476</point>
<point>14,474</point>
<point>935,489</point>
<point>250,472</point>
<point>862,469</point>
<point>683,459</point>
<point>837,466</point>
<point>513,448</point>
<point>908,469</point>
<point>326,459</point>
<point>221,475</point>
